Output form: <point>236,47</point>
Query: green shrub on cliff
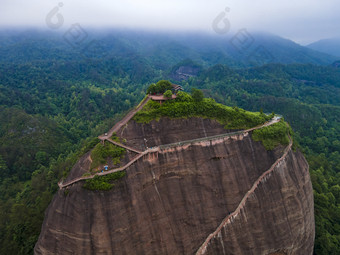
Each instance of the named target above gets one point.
<point>273,135</point>
<point>197,95</point>
<point>186,107</point>
<point>103,182</point>
<point>183,97</point>
<point>101,153</point>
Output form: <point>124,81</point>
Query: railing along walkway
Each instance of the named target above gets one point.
<point>166,146</point>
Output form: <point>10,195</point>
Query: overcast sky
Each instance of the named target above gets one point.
<point>303,21</point>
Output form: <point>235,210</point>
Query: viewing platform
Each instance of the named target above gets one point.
<point>161,98</point>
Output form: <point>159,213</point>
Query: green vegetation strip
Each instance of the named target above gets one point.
<point>103,182</point>
<point>185,106</point>
<point>101,153</point>
<point>273,135</point>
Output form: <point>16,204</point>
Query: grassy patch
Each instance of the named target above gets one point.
<point>117,139</point>
<point>273,135</point>
<point>103,182</point>
<point>101,153</point>
<point>230,117</point>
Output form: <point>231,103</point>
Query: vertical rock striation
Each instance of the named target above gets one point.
<point>282,202</point>
<point>171,203</point>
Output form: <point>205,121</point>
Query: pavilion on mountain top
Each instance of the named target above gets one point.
<point>176,88</point>
<point>160,98</point>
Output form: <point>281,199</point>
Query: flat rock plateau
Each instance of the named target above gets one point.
<point>179,201</point>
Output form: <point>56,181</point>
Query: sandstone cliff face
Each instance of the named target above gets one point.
<point>283,204</point>
<point>171,203</point>
<point>167,131</point>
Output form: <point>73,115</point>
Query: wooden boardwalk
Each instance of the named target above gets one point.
<point>83,178</point>
<point>125,120</point>
<point>123,146</point>
<point>162,147</point>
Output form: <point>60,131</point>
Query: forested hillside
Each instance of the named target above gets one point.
<point>157,49</point>
<point>54,101</point>
<point>328,46</point>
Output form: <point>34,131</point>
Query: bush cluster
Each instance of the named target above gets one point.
<point>101,153</point>
<point>197,95</point>
<point>167,94</point>
<point>273,135</point>
<point>103,182</point>
<point>159,87</point>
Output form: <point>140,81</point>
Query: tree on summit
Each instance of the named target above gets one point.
<point>164,85</point>
<point>167,94</point>
<point>197,95</point>
<point>152,89</point>
<point>160,87</point>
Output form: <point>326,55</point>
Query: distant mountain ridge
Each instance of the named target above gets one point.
<point>152,48</point>
<point>328,46</point>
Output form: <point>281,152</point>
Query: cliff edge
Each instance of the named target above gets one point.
<point>171,202</point>
<point>191,186</point>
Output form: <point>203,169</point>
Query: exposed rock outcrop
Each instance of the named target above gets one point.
<point>185,72</point>
<point>167,131</point>
<point>171,203</point>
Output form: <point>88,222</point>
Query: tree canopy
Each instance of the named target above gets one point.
<point>168,94</point>
<point>197,94</point>
<point>159,87</point>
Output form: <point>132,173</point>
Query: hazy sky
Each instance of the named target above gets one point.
<point>303,21</point>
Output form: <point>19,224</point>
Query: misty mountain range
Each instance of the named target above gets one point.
<point>328,46</point>
<point>241,49</point>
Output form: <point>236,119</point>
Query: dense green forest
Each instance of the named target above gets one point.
<point>49,113</point>
<point>53,102</point>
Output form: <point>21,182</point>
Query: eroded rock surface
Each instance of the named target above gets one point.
<point>167,131</point>
<point>277,218</point>
<point>171,203</point>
